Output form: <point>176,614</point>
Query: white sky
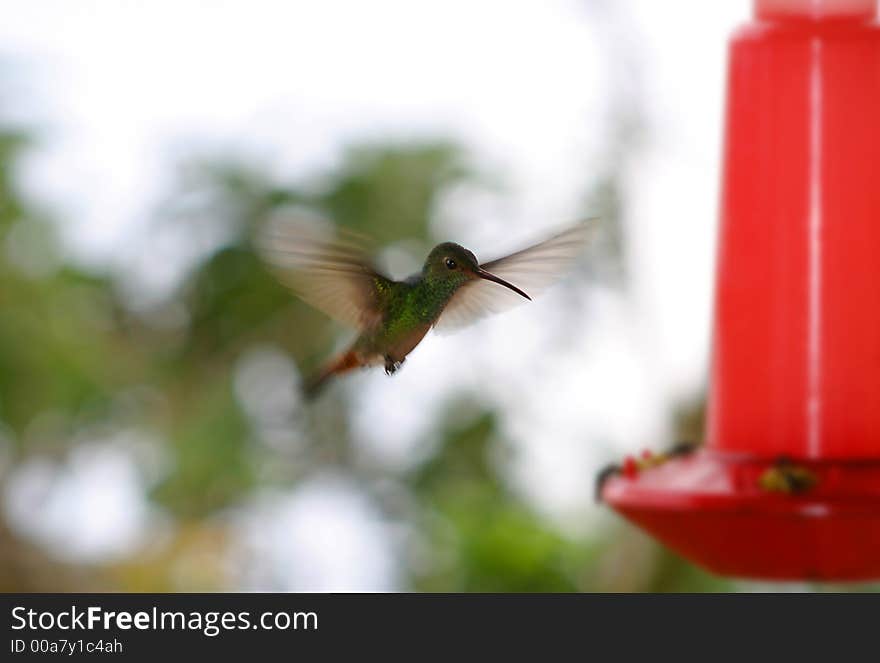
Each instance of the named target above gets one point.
<point>124,88</point>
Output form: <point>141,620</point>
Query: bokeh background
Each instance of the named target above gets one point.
<point>152,433</point>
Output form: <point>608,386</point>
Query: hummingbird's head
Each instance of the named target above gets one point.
<point>452,264</point>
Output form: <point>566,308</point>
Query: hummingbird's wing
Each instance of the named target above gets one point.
<point>329,270</point>
<point>532,269</point>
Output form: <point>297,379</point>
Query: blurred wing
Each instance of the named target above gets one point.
<point>330,271</point>
<point>533,269</point>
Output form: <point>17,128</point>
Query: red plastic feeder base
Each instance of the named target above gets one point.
<point>711,508</point>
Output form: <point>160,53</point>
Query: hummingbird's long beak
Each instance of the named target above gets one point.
<point>489,276</point>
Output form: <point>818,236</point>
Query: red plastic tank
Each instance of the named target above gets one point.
<point>795,369</point>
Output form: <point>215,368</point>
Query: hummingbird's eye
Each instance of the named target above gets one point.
<point>450,263</point>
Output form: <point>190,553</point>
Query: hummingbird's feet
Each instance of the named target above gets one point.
<point>786,477</point>
<point>392,365</point>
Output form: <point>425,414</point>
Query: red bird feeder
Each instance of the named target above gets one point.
<point>796,349</point>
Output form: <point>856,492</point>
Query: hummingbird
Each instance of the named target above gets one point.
<point>333,272</point>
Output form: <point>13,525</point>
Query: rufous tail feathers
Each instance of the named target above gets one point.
<point>341,364</point>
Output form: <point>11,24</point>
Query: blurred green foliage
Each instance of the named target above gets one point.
<point>79,353</point>
<point>499,544</point>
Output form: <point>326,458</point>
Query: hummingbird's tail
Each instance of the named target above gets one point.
<point>344,362</point>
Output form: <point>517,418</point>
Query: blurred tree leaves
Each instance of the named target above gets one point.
<point>79,350</point>
<point>389,192</point>
<point>213,464</point>
<point>499,544</point>
<point>12,143</point>
<point>50,317</point>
